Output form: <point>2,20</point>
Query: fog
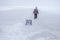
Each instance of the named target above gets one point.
<point>14,13</point>
<point>46,5</point>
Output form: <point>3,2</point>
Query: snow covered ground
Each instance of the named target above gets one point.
<point>45,27</point>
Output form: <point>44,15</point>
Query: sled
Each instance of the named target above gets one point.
<point>28,22</point>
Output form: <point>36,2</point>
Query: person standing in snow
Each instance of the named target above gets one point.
<point>35,13</point>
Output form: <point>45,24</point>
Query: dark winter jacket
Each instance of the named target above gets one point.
<point>35,11</point>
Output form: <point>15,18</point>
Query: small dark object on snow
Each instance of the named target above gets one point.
<point>28,22</point>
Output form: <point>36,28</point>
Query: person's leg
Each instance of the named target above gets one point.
<point>36,15</point>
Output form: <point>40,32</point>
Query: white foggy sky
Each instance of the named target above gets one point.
<point>44,4</point>
<point>30,3</point>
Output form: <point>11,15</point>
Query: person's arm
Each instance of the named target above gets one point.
<point>34,11</point>
<point>37,11</point>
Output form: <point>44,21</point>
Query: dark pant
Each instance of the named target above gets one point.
<point>35,16</point>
